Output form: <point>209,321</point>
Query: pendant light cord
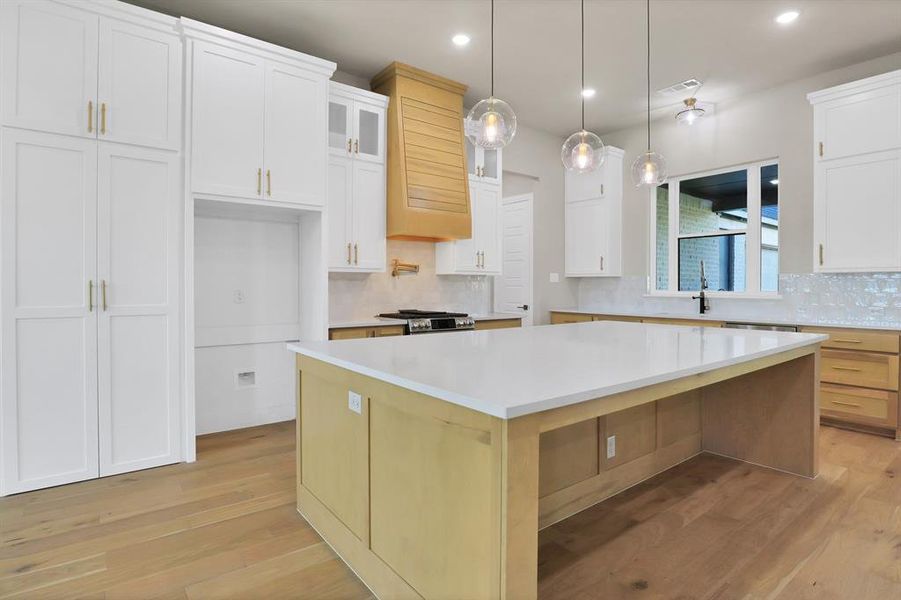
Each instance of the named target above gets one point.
<point>649,73</point>
<point>492,48</point>
<point>582,91</point>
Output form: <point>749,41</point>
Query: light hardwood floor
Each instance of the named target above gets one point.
<point>226,527</point>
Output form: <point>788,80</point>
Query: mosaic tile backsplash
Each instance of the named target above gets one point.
<point>354,296</point>
<point>853,299</point>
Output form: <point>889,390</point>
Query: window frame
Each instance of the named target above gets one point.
<point>752,231</point>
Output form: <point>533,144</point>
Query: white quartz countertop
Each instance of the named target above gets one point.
<point>508,373</point>
<point>381,321</point>
<point>712,316</point>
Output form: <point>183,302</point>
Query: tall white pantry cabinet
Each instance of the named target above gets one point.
<point>90,207</point>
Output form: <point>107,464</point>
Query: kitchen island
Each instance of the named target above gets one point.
<point>429,463</point>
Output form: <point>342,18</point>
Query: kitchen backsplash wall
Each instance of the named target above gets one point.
<point>867,299</point>
<point>354,296</point>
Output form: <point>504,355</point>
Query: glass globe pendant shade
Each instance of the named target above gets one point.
<point>649,169</point>
<point>690,113</point>
<point>582,152</point>
<point>491,124</point>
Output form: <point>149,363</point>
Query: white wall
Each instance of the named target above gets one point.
<point>774,123</point>
<point>246,307</point>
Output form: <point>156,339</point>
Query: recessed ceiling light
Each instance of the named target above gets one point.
<point>589,93</point>
<point>787,17</point>
<point>774,182</point>
<point>461,39</point>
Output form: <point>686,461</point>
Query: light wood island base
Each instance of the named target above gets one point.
<point>427,499</point>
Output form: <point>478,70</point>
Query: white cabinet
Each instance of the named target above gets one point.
<point>259,127</point>
<point>484,164</point>
<point>137,307</point>
<point>593,219</point>
<point>482,253</point>
<point>76,72</point>
<point>356,181</point>
<point>90,274</point>
<point>857,176</point>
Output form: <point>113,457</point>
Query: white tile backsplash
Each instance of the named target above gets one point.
<point>354,296</point>
<point>862,299</point>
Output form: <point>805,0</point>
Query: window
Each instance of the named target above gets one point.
<point>725,220</point>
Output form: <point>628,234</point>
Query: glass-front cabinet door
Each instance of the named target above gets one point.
<point>340,126</point>
<point>471,159</point>
<point>369,129</point>
<point>491,165</point>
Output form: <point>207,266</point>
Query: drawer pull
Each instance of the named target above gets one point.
<point>847,341</point>
<point>854,369</point>
<point>840,403</point>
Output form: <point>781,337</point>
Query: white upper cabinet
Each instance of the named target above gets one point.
<point>482,253</point>
<point>259,119</point>
<point>593,219</point>
<point>75,72</point>
<point>356,186</point>
<point>227,144</point>
<point>857,176</point>
<point>482,164</point>
<point>49,67</point>
<point>140,85</point>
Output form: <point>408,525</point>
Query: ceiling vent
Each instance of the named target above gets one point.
<point>680,88</point>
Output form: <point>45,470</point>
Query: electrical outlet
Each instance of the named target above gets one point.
<point>555,277</point>
<point>611,446</point>
<point>355,402</point>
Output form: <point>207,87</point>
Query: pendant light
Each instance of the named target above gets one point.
<point>583,151</point>
<point>649,168</point>
<point>491,123</point>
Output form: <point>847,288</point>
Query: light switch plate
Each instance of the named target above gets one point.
<point>611,446</point>
<point>555,277</point>
<point>355,402</point>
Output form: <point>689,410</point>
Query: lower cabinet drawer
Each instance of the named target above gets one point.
<point>873,407</point>
<point>560,318</point>
<point>863,369</point>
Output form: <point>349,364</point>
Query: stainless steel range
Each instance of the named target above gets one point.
<point>430,321</point>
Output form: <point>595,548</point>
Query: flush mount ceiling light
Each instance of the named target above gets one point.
<point>588,92</point>
<point>649,168</point>
<point>461,39</point>
<point>787,17</point>
<point>691,112</point>
<point>583,151</point>
<point>491,123</point>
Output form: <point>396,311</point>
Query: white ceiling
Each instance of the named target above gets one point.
<point>734,46</point>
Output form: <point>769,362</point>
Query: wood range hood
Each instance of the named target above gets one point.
<point>428,187</point>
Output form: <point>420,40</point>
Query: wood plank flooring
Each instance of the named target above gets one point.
<point>225,527</point>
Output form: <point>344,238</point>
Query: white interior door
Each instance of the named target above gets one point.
<point>138,308</point>
<point>49,65</point>
<point>369,212</point>
<point>48,405</point>
<point>340,211</point>
<point>857,223</point>
<point>295,136</point>
<point>140,85</point>
<point>513,288</point>
<point>227,146</point>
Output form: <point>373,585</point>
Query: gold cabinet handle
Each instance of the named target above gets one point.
<point>259,181</point>
<point>356,255</point>
<point>103,118</point>
<point>348,253</point>
<point>268,182</point>
<point>356,146</point>
<point>103,293</point>
<point>90,116</point>
<point>821,255</point>
<point>349,145</point>
<point>840,403</point>
<point>852,369</point>
<point>90,295</point>
<point>847,341</point>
